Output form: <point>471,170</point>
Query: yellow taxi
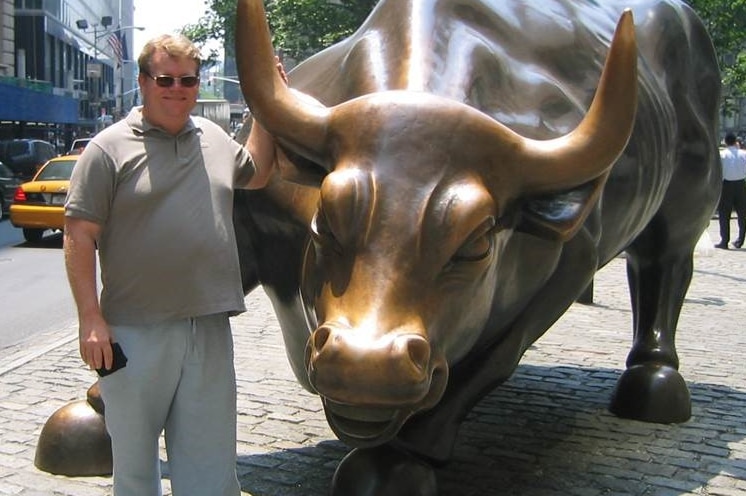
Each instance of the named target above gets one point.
<point>38,205</point>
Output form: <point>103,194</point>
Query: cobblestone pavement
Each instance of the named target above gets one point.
<point>545,432</point>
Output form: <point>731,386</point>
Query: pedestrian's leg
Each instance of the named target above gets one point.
<point>724,209</point>
<point>739,203</point>
<point>201,429</point>
<point>137,399</point>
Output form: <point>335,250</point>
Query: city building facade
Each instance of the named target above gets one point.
<point>65,67</point>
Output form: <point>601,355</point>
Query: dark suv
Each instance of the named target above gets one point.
<point>25,156</point>
<point>8,184</point>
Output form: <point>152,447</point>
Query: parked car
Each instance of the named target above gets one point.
<point>38,205</point>
<point>79,145</point>
<point>9,181</point>
<point>25,156</point>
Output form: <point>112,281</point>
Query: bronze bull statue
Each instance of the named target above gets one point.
<point>453,175</point>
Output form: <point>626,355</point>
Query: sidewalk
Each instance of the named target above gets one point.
<point>545,432</point>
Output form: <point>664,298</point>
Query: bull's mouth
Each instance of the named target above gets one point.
<point>363,427</point>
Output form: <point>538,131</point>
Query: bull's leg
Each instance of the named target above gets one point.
<point>651,389</point>
<point>586,297</point>
<point>383,471</point>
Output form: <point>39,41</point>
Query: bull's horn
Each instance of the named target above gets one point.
<point>593,147</point>
<point>298,123</point>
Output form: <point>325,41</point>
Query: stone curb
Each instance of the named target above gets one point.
<point>11,360</point>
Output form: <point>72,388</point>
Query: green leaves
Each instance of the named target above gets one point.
<point>300,27</point>
<point>303,27</point>
<point>726,23</point>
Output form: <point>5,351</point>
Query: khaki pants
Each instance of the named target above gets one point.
<point>179,380</point>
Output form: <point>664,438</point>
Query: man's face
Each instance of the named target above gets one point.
<point>169,106</point>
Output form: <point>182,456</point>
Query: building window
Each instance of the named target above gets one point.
<point>28,4</point>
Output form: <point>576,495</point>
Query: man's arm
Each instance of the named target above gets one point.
<point>80,237</point>
<point>261,146</point>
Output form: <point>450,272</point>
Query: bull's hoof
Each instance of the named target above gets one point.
<point>383,471</point>
<point>652,393</point>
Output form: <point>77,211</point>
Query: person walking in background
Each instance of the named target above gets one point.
<point>733,194</point>
<point>154,193</point>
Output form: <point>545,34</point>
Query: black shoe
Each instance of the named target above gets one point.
<point>738,243</point>
<point>722,246</point>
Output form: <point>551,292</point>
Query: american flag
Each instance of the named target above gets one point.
<point>117,45</point>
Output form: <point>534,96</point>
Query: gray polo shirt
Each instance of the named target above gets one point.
<point>165,203</point>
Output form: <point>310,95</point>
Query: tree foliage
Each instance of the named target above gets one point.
<point>300,28</point>
<point>217,23</point>
<point>303,27</point>
<point>726,23</point>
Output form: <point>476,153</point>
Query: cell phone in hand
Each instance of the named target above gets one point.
<point>120,360</point>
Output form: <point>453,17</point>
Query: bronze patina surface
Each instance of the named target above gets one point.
<point>74,440</point>
<point>453,175</point>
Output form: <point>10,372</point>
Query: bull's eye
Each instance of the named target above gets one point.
<point>477,246</point>
<point>474,250</point>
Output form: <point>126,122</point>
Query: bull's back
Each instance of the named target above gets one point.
<point>534,65</point>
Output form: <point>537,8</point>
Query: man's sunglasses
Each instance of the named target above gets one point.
<point>168,81</point>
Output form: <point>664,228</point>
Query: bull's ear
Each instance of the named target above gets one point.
<point>293,167</point>
<point>559,216</point>
<point>298,169</point>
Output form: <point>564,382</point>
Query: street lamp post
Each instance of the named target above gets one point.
<point>95,69</point>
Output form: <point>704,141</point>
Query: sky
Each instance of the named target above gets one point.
<point>161,17</point>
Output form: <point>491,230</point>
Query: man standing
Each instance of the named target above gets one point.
<point>733,194</point>
<point>154,193</point>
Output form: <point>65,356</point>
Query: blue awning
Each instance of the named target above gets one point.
<point>23,104</point>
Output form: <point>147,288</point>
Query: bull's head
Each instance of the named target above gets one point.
<point>410,218</point>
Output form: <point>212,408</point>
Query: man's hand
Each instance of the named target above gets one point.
<point>95,343</point>
<point>281,70</point>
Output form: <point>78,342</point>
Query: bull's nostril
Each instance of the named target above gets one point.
<point>320,338</point>
<point>419,352</point>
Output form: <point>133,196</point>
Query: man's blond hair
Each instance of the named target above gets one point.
<point>175,45</point>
